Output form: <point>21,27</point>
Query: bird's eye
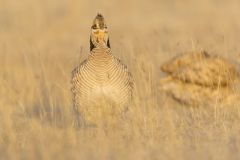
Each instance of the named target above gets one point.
<point>94,27</point>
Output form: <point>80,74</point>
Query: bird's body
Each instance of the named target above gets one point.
<point>101,80</point>
<point>102,76</point>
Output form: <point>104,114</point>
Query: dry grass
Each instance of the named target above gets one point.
<point>42,41</point>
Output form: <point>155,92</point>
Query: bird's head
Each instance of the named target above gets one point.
<point>99,33</point>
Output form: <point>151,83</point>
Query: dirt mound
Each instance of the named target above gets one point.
<point>198,78</point>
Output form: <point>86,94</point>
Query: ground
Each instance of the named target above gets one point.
<point>42,41</point>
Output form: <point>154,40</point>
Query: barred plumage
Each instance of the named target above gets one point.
<point>101,77</point>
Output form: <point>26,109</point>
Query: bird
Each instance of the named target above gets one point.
<point>199,78</point>
<point>101,77</point>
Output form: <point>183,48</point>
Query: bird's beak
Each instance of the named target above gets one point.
<point>100,37</point>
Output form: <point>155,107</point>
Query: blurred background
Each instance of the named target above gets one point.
<point>41,41</point>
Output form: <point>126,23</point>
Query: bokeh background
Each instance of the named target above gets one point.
<point>41,41</point>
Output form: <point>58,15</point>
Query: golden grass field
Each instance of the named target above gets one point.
<point>42,41</point>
